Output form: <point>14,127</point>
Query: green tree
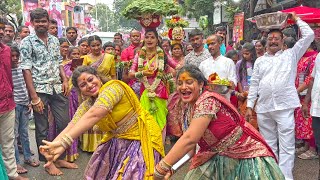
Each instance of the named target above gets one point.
<point>10,8</point>
<point>108,21</point>
<point>119,6</point>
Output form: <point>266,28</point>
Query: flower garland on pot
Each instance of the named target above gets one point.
<point>151,88</point>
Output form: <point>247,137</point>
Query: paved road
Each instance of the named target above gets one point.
<point>304,169</point>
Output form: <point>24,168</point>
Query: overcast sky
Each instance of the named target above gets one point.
<point>108,2</point>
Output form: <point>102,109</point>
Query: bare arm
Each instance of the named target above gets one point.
<point>188,140</point>
<point>29,83</point>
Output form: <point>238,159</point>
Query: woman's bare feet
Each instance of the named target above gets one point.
<point>21,170</point>
<point>53,170</point>
<point>66,164</point>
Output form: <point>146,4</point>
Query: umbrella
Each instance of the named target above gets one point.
<point>307,14</point>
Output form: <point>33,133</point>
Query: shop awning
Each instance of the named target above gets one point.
<point>307,14</point>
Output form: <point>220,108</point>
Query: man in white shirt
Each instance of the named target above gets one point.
<point>217,63</point>
<point>272,85</point>
<point>313,94</point>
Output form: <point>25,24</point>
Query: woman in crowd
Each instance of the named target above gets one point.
<point>132,144</point>
<point>244,70</point>
<point>174,102</point>
<point>303,128</point>
<point>84,46</point>
<point>73,55</point>
<point>104,63</point>
<point>149,68</point>
<point>105,66</point>
<point>260,46</point>
<point>230,148</point>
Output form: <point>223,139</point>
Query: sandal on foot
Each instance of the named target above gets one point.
<point>308,155</point>
<point>32,162</point>
<point>21,170</point>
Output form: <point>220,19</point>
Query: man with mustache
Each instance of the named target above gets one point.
<point>199,53</point>
<point>273,89</point>
<point>46,82</point>
<point>128,53</point>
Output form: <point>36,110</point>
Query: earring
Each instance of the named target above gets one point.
<point>200,91</point>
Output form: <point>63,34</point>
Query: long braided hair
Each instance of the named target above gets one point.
<point>243,65</point>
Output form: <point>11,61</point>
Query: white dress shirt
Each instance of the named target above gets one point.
<point>273,78</point>
<point>223,66</point>
<point>315,93</point>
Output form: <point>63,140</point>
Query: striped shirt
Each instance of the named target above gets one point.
<point>19,87</point>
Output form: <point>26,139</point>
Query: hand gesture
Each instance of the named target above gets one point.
<point>38,105</point>
<point>293,16</point>
<point>148,73</point>
<point>248,114</point>
<point>51,151</point>
<point>65,88</point>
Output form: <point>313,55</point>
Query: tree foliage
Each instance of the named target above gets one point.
<point>11,8</point>
<point>119,6</point>
<point>108,21</point>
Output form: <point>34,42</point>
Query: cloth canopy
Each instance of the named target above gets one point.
<point>307,14</point>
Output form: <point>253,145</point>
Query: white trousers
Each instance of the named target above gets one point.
<point>7,121</point>
<point>277,128</point>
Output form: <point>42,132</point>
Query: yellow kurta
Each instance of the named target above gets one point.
<point>120,100</point>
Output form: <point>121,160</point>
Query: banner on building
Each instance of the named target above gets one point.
<point>55,13</point>
<point>238,27</point>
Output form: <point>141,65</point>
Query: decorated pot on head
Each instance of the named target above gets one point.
<point>275,20</point>
<point>176,32</point>
<point>150,20</point>
<point>218,85</point>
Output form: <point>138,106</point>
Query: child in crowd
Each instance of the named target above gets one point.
<point>244,70</point>
<point>109,48</point>
<point>23,108</point>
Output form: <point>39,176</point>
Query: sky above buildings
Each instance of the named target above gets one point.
<point>108,2</point>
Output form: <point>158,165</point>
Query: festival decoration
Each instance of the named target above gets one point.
<point>176,32</point>
<point>216,84</point>
<point>150,12</point>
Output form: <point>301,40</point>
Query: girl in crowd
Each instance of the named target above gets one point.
<point>73,55</point>
<point>303,128</point>
<point>189,48</point>
<point>230,148</point>
<point>83,46</point>
<point>105,66</point>
<point>132,144</point>
<point>244,70</point>
<point>149,67</point>
<point>260,46</point>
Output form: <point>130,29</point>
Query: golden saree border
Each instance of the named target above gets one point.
<point>145,129</point>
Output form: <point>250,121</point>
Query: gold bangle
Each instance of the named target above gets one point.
<point>166,163</point>
<point>66,140</point>
<point>69,137</point>
<point>63,144</point>
<point>34,104</point>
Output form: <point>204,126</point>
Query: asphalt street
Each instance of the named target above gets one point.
<point>303,170</point>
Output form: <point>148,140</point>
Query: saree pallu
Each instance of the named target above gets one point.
<point>3,172</point>
<point>105,68</point>
<point>129,150</point>
<point>72,152</point>
<point>175,115</point>
<point>243,108</point>
<point>230,146</point>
